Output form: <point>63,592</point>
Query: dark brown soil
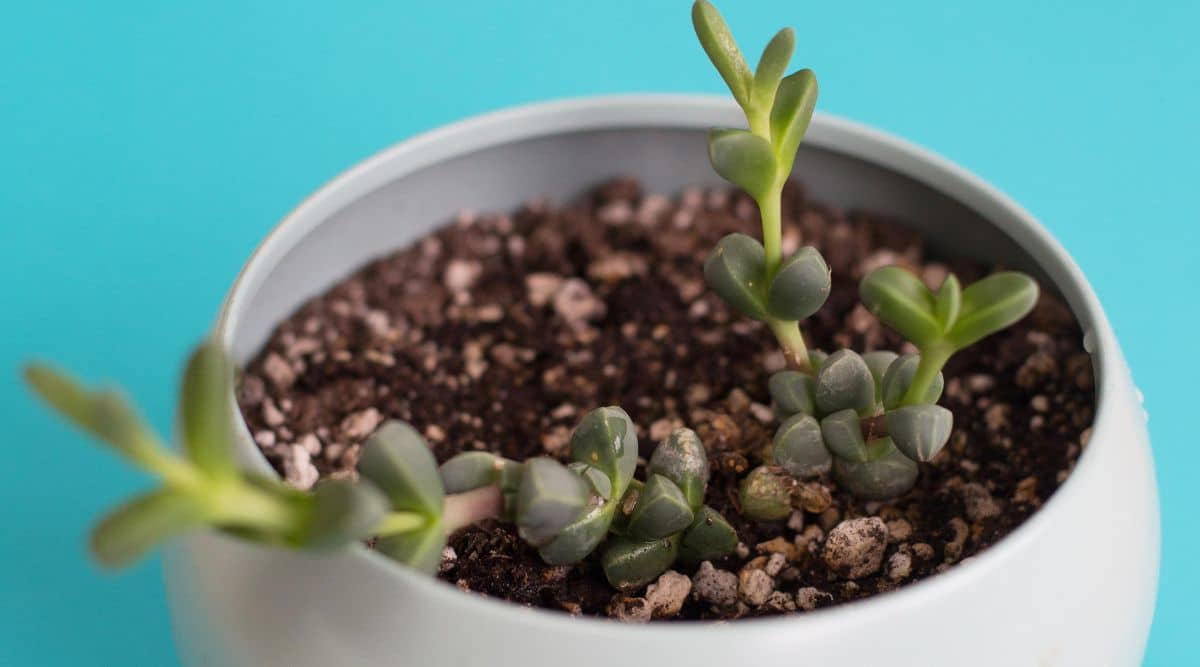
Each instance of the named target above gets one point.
<point>500,331</point>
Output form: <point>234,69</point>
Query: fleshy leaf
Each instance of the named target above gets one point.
<point>709,537</point>
<point>105,414</point>
<point>799,447</point>
<point>920,431</point>
<point>397,460</point>
<point>947,303</point>
<point>736,271</point>
<point>791,113</point>
<point>579,538</point>
<point>419,549</point>
<point>899,376</point>
<point>771,67</point>
<point>901,301</point>
<point>682,459</point>
<point>607,439</point>
<point>343,512</point>
<point>765,495</point>
<point>744,159</point>
<point>550,498</point>
<point>661,510</point>
<point>205,416</point>
<point>600,484</point>
<point>138,526</point>
<point>879,361</point>
<point>792,393</point>
<point>888,474</point>
<point>989,305</point>
<point>843,435</point>
<point>844,382</point>
<point>631,563</point>
<point>470,470</point>
<point>800,287</point>
<point>722,50</point>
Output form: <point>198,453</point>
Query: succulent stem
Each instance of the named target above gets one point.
<point>770,210</point>
<point>398,522</point>
<point>236,504</point>
<point>792,341</point>
<point>932,360</point>
<point>464,509</point>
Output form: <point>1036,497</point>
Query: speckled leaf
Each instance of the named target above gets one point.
<point>661,510</point>
<point>765,494</point>
<point>736,271</point>
<point>682,459</point>
<point>920,431</point>
<point>709,537</point>
<point>607,439</point>
<point>799,447</point>
<point>630,563</point>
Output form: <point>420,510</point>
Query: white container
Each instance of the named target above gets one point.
<point>1074,585</point>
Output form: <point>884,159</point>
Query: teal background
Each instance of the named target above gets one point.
<point>146,147</point>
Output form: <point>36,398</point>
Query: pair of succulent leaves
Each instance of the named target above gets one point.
<point>594,500</point>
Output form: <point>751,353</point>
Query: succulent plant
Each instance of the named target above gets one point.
<point>402,498</point>
<point>868,418</point>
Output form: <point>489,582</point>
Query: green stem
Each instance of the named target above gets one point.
<point>236,503</point>
<point>772,226</point>
<point>930,365</point>
<point>792,341</point>
<point>464,509</point>
<point>399,522</point>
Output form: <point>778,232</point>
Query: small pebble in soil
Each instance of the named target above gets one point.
<point>855,548</point>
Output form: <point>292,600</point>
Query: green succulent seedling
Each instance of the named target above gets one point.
<point>402,498</point>
<point>754,277</point>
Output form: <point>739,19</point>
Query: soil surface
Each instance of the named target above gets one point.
<point>499,331</point>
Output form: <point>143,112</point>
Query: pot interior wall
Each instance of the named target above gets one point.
<point>561,167</point>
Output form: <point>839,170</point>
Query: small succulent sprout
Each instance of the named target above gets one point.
<point>887,474</point>
<point>681,459</point>
<point>606,439</point>
<point>736,271</point>
<point>766,494</point>
<point>709,537</point>
<point>661,510</point>
<point>799,448</point>
<point>792,393</point>
<point>845,382</point>
<point>631,563</point>
<point>800,287</point>
<point>843,436</point>
<point>549,499</point>
<point>920,431</point>
<point>942,323</point>
<point>899,377</point>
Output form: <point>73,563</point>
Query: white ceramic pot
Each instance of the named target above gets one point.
<point>1074,585</point>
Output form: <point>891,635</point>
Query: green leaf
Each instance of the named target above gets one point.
<point>744,159</point>
<point>843,436</point>
<point>600,484</point>
<point>709,537</point>
<point>736,271</point>
<point>888,474</point>
<point>791,113</point>
<point>105,415</point>
<point>947,303</point>
<point>799,448</point>
<point>920,431</point>
<point>661,510</point>
<point>607,439</point>
<point>994,303</point>
<point>901,301</point>
<point>723,51</point>
<point>143,523</point>
<point>899,376</point>
<point>470,470</point>
<point>800,287</point>
<point>879,361</point>
<point>397,460</point>
<point>579,538</point>
<point>844,382</point>
<point>550,498</point>
<point>792,393</point>
<point>419,549</point>
<point>682,459</point>
<point>205,412</point>
<point>343,512</point>
<point>765,495</point>
<point>771,66</point>
<point>631,563</point>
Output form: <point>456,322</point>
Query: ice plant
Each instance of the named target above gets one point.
<point>869,418</point>
<point>402,499</point>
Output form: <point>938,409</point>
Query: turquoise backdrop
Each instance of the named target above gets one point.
<point>146,147</point>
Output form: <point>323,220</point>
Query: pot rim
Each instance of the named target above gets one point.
<point>692,111</point>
